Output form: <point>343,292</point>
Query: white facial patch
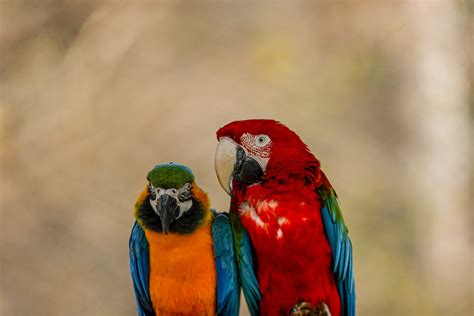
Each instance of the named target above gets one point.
<point>257,146</point>
<point>184,192</point>
<point>263,162</point>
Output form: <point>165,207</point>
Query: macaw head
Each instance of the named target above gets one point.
<point>259,151</point>
<point>172,202</point>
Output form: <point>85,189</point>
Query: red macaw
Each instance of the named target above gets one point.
<point>281,197</point>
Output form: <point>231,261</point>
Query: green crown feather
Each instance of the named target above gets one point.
<point>170,175</point>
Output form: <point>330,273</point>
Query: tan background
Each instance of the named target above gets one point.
<point>94,93</point>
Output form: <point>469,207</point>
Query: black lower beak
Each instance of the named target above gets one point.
<point>168,211</point>
<point>246,169</point>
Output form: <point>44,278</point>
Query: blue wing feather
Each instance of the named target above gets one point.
<point>140,269</point>
<point>341,248</point>
<point>244,253</point>
<point>228,290</point>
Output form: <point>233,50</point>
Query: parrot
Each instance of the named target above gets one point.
<point>284,202</point>
<point>182,258</point>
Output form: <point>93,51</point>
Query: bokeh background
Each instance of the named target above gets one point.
<point>94,93</point>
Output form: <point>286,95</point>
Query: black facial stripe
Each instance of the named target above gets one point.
<point>185,193</point>
<point>185,196</point>
<point>186,224</point>
<point>151,191</point>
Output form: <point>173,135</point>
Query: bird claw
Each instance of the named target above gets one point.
<point>308,309</point>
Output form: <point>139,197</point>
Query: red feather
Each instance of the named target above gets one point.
<point>282,216</point>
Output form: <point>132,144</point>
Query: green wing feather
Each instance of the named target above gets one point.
<point>341,247</point>
<point>244,254</point>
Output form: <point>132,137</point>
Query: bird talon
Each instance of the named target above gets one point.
<point>307,309</point>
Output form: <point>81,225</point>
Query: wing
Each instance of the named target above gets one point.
<point>228,290</point>
<point>341,246</point>
<point>140,269</point>
<point>244,255</point>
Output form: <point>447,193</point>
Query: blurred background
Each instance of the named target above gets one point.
<point>95,93</point>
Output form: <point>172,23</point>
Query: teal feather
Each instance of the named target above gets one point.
<point>246,268</point>
<point>140,267</point>
<point>228,290</point>
<point>341,247</point>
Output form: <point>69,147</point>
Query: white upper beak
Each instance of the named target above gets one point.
<point>225,161</point>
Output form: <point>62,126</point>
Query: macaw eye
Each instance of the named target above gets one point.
<point>262,140</point>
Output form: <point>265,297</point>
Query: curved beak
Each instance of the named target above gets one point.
<point>168,210</point>
<point>233,162</point>
<point>226,155</point>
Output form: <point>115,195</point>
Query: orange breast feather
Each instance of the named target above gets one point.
<point>182,273</point>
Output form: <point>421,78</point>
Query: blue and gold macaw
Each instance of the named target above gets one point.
<point>182,257</point>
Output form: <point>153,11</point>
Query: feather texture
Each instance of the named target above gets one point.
<point>341,246</point>
<point>140,269</point>
<point>192,269</point>
<point>244,256</point>
<point>290,209</point>
<point>228,291</point>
